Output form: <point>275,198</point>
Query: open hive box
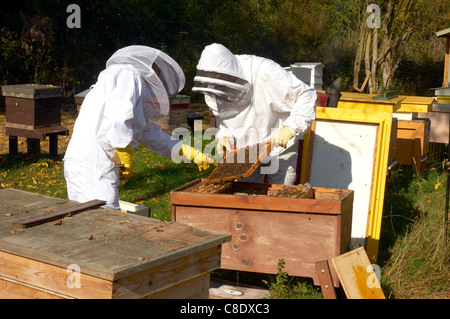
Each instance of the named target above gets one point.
<point>268,222</point>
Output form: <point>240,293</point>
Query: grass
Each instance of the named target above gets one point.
<point>417,263</point>
<point>413,254</point>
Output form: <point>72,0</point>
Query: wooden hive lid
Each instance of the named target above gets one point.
<point>32,91</point>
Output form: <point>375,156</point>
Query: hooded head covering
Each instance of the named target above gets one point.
<point>221,78</point>
<point>163,76</point>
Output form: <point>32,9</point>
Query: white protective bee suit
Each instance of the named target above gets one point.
<point>136,87</point>
<point>252,98</point>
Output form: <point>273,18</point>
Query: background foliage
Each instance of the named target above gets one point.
<point>37,46</point>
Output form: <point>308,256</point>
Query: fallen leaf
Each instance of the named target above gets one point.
<point>59,222</point>
<point>48,211</point>
<point>91,237</point>
<point>143,258</point>
<point>8,214</point>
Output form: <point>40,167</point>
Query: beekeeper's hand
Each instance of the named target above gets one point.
<point>223,146</point>
<point>126,159</point>
<point>281,137</point>
<point>197,157</point>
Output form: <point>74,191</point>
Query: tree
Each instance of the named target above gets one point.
<point>383,40</point>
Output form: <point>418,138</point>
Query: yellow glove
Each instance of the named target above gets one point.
<point>282,136</point>
<point>126,158</point>
<point>197,157</point>
<point>223,146</point>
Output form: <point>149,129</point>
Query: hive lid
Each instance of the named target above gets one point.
<point>441,91</point>
<point>32,91</point>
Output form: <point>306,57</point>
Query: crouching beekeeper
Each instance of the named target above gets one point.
<point>136,88</point>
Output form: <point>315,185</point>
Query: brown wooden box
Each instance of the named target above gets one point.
<point>32,114</point>
<point>32,105</point>
<point>100,253</point>
<point>413,139</point>
<point>265,229</point>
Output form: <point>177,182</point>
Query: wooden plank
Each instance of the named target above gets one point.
<point>149,282</point>
<point>357,275</point>
<point>326,282</point>
<point>58,214</point>
<point>52,278</point>
<point>193,288</point>
<point>12,289</point>
<point>183,196</point>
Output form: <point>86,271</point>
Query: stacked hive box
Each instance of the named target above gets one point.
<point>33,111</point>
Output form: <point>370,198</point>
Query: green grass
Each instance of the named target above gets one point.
<point>44,175</point>
<point>413,244</point>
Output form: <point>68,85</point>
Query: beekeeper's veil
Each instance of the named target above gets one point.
<point>163,76</point>
<point>220,77</point>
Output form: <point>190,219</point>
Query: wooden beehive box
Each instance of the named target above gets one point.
<point>439,117</point>
<point>178,114</point>
<point>30,106</point>
<point>267,228</point>
<point>413,139</point>
<point>101,254</point>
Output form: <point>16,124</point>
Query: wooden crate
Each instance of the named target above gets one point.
<point>265,229</point>
<point>413,139</point>
<point>101,253</point>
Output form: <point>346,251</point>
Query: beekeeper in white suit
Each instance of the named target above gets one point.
<point>255,100</point>
<point>136,88</point>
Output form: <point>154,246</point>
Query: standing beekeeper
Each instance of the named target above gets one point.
<point>255,100</point>
<point>136,88</point>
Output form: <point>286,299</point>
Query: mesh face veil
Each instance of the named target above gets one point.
<point>223,86</point>
<point>221,79</point>
<point>163,76</point>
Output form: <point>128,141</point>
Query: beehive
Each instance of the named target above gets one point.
<point>100,253</point>
<point>33,111</point>
<point>268,223</point>
<point>178,115</point>
<point>30,106</point>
